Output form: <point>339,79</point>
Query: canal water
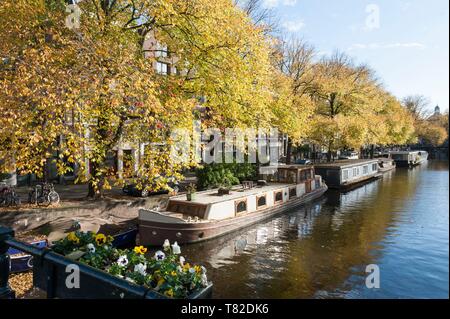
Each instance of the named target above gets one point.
<point>399,223</point>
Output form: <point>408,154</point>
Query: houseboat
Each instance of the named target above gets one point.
<point>409,158</point>
<point>214,213</point>
<point>385,165</point>
<point>348,173</point>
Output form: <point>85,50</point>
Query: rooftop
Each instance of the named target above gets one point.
<point>345,163</point>
<point>211,196</point>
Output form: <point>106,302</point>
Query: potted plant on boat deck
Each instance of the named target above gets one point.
<point>191,192</point>
<point>225,188</point>
<point>164,273</point>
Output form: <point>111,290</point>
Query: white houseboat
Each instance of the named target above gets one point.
<point>409,158</point>
<point>348,173</point>
<point>212,213</point>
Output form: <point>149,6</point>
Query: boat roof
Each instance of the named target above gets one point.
<point>211,196</point>
<point>406,152</point>
<point>346,163</point>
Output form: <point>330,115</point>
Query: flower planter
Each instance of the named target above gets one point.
<point>88,266</point>
<point>191,196</point>
<point>223,191</point>
<point>49,274</point>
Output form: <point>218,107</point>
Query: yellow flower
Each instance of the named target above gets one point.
<point>100,239</point>
<point>140,250</point>
<point>186,267</point>
<point>169,293</point>
<point>161,281</point>
<point>73,237</point>
<point>173,273</point>
<point>198,269</point>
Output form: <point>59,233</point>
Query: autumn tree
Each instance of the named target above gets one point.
<point>79,93</point>
<point>344,99</point>
<point>429,129</point>
<point>292,81</point>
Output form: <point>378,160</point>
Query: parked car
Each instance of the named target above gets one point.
<point>303,162</point>
<point>134,190</point>
<point>349,155</point>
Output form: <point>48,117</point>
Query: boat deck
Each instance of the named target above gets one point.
<point>345,163</point>
<point>212,197</point>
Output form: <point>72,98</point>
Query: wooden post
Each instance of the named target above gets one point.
<point>5,290</point>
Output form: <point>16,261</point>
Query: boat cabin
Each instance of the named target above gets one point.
<point>287,183</point>
<point>348,172</point>
<point>408,158</point>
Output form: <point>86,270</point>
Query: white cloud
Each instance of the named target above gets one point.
<point>290,3</point>
<point>276,3</point>
<point>373,46</point>
<point>293,26</point>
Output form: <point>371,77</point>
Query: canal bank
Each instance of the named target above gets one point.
<point>399,223</point>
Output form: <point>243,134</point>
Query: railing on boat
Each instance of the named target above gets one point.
<point>51,271</point>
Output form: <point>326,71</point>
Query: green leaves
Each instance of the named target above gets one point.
<point>225,175</point>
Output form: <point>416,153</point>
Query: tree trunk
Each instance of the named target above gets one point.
<point>329,153</point>
<point>372,147</point>
<point>95,191</point>
<point>289,152</point>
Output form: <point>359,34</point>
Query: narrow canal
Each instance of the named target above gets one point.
<point>400,223</point>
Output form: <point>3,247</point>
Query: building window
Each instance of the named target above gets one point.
<point>366,169</point>
<point>261,201</point>
<point>374,167</point>
<point>161,51</point>
<point>278,196</point>
<point>292,192</point>
<point>355,172</point>
<point>241,206</point>
<point>162,68</point>
<point>345,174</point>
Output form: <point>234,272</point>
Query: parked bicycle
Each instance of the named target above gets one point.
<point>8,196</point>
<point>43,195</point>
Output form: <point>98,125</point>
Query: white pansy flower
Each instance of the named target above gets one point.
<point>122,261</point>
<point>191,270</point>
<point>176,249</point>
<point>182,260</point>
<point>204,280</point>
<point>91,248</point>
<point>159,255</point>
<point>166,245</point>
<point>141,269</point>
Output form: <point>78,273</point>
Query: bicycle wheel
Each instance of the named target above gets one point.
<point>53,198</point>
<point>32,198</point>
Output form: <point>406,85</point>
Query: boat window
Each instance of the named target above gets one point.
<point>241,206</point>
<point>374,167</point>
<point>365,169</point>
<point>278,196</point>
<point>292,177</point>
<point>292,192</point>
<point>355,171</point>
<point>303,175</point>
<point>261,201</point>
<point>308,174</point>
<point>345,174</point>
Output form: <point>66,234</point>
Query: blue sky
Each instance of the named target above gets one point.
<point>405,41</point>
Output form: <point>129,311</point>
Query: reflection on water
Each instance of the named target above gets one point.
<point>321,251</point>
